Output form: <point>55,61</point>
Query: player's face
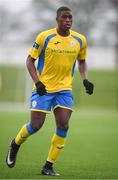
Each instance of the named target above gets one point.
<point>64,20</point>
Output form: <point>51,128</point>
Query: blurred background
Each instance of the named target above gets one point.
<point>22,20</point>
<point>92,148</point>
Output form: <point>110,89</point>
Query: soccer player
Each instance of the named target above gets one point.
<point>56,51</point>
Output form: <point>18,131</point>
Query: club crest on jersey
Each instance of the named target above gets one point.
<point>36,46</point>
<point>72,43</point>
<point>34,103</point>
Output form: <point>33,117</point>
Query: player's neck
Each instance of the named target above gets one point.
<point>63,33</point>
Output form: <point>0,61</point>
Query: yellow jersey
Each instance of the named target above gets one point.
<point>56,57</point>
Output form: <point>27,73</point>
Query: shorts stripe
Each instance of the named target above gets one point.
<point>40,110</point>
<point>64,107</point>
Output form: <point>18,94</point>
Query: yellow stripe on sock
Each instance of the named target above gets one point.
<point>22,135</point>
<point>56,147</point>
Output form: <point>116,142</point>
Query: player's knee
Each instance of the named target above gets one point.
<point>37,119</point>
<point>36,125</point>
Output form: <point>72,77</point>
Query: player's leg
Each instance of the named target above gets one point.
<point>62,117</point>
<point>36,122</point>
<point>39,105</point>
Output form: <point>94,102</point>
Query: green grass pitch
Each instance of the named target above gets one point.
<point>91,151</point>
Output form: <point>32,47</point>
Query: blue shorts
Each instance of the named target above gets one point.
<point>49,101</point>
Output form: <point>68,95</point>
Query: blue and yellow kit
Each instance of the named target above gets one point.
<point>56,57</point>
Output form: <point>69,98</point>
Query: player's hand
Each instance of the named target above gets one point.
<point>88,86</point>
<point>40,88</point>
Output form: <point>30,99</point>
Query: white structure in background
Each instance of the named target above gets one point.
<point>101,58</point>
<point>97,58</point>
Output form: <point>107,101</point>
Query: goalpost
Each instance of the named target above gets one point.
<point>15,88</point>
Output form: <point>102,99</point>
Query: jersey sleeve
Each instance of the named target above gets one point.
<point>37,47</point>
<point>83,50</point>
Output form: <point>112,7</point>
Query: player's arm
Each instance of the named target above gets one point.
<point>82,59</point>
<point>40,87</point>
<point>34,53</point>
<point>84,74</point>
<point>83,67</point>
<point>32,69</point>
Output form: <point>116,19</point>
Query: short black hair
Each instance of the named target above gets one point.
<point>63,8</point>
